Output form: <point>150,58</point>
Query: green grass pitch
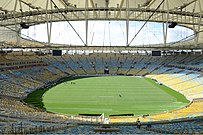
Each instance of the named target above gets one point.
<point>112,95</point>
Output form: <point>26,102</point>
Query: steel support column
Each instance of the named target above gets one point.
<point>16,26</point>
<point>127,21</point>
<point>86,21</point>
<point>200,21</point>
<point>165,24</point>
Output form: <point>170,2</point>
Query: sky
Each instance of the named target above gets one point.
<point>106,33</point>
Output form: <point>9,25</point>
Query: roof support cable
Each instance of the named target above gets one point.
<point>68,22</point>
<point>109,33</point>
<point>146,22</point>
<point>20,34</point>
<point>104,33</point>
<point>122,32</point>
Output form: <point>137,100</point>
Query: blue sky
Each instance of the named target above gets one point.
<point>106,33</point>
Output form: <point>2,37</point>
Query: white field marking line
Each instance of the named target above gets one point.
<point>105,109</point>
<point>142,87</point>
<point>106,96</point>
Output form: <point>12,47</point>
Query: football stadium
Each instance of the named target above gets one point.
<point>101,67</point>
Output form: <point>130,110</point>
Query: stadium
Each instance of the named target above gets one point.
<point>101,67</point>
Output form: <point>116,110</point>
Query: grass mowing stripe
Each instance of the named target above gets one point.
<point>177,95</point>
<point>35,98</point>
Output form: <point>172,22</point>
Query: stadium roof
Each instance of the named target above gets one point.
<point>14,13</point>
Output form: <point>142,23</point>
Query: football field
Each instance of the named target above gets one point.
<point>112,95</point>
